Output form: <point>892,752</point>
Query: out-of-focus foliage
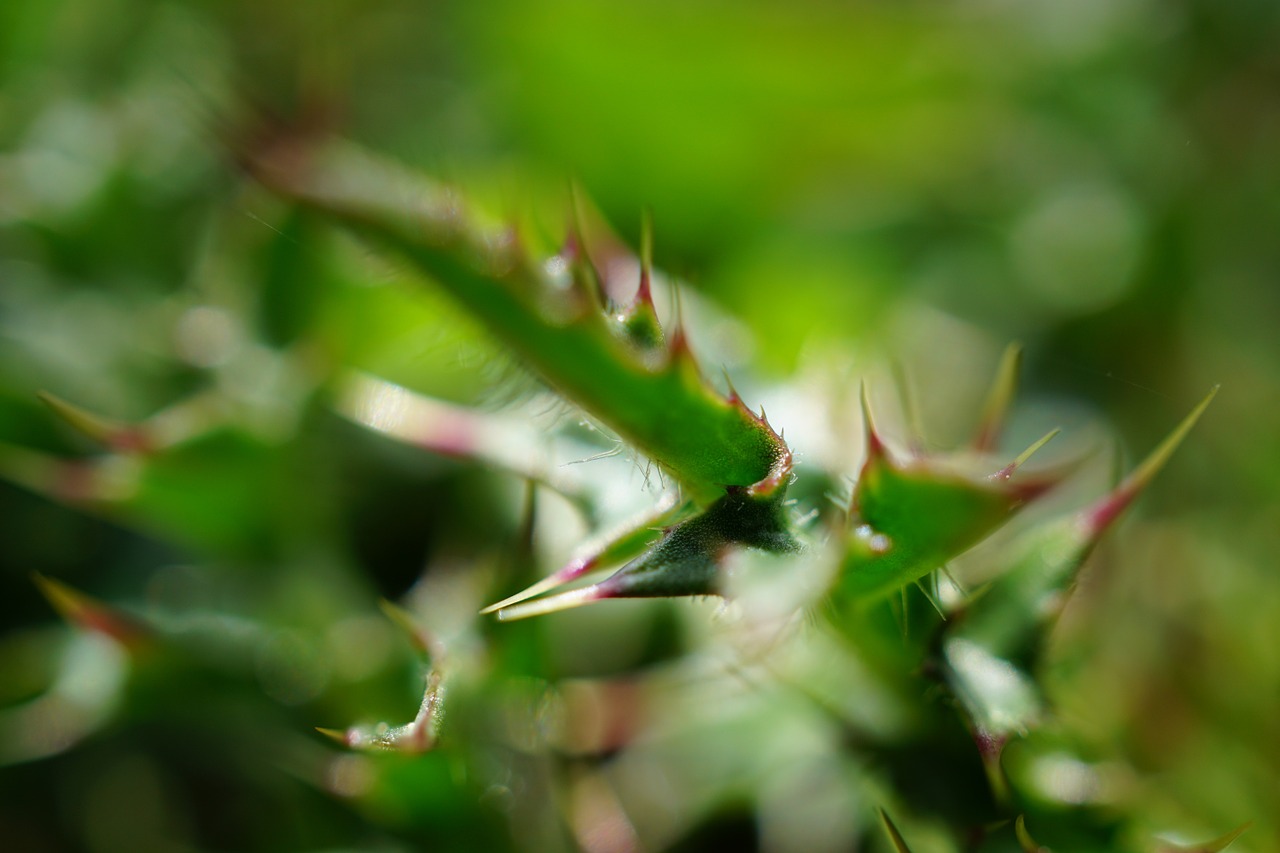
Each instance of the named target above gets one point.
<point>839,183</point>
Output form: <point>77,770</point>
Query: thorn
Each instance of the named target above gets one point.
<point>337,735</point>
<point>90,614</point>
<point>1099,517</point>
<point>585,274</point>
<point>644,293</point>
<point>640,318</point>
<point>1007,471</point>
<point>680,353</point>
<point>422,640</point>
<point>899,844</point>
<point>875,446</point>
<point>117,436</point>
<point>1214,846</point>
<point>1024,838</point>
<point>677,309</point>
<point>999,399</point>
<point>679,343</point>
<point>732,396</point>
<point>573,570</point>
<point>553,604</point>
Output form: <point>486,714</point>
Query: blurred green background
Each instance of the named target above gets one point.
<point>922,180</point>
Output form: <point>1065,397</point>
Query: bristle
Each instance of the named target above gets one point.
<point>999,400</point>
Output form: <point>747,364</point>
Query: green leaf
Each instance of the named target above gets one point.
<point>908,518</point>
<point>993,642</point>
<point>216,491</point>
<point>664,407</point>
<point>688,559</point>
<point>617,547</point>
<point>1009,617</point>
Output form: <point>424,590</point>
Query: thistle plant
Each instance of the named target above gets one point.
<point>925,721</point>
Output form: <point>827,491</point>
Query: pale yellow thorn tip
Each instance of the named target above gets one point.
<point>538,588</point>
<point>1027,843</point>
<point>875,446</point>
<point>1035,447</point>
<point>63,598</point>
<point>88,613</point>
<point>1109,508</point>
<point>81,420</point>
<point>404,620</point>
<point>552,604</point>
<point>1153,463</point>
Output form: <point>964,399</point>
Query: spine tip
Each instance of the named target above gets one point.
<point>876,449</point>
